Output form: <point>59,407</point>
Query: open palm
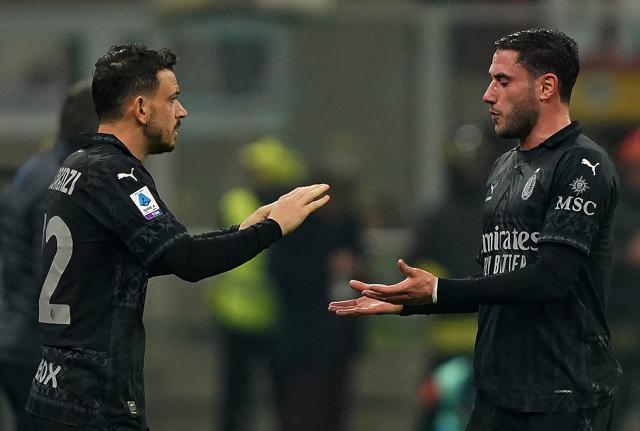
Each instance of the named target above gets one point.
<point>363,306</point>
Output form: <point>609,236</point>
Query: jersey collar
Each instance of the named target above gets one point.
<point>563,134</point>
<point>90,139</point>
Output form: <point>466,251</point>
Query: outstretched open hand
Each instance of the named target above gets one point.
<point>417,288</point>
<point>363,306</point>
<point>291,209</point>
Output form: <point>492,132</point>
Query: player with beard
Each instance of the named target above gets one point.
<point>542,357</point>
<point>107,231</point>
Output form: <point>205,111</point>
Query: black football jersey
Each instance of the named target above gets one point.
<point>555,355</point>
<point>105,224</point>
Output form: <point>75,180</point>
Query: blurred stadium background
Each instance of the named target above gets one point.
<point>384,86</point>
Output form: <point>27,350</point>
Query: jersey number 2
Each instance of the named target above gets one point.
<point>59,314</point>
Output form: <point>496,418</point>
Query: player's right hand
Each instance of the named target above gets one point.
<point>290,210</point>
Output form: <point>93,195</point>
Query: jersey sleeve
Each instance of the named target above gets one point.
<point>581,197</point>
<point>122,197</point>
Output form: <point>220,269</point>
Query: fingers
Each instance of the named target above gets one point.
<point>308,193</point>
<point>344,308</point>
<point>266,209</point>
<point>314,205</point>
<point>392,289</point>
<point>312,192</point>
<point>350,308</point>
<point>342,304</point>
<point>359,285</point>
<point>390,298</point>
<point>364,306</point>
<point>380,289</point>
<point>406,269</point>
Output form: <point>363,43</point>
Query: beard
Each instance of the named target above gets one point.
<point>159,141</point>
<point>521,121</point>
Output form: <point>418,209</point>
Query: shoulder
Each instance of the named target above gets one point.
<point>106,165</point>
<point>103,157</point>
<point>585,154</point>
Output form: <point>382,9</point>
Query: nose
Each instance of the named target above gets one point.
<point>181,112</point>
<point>489,94</point>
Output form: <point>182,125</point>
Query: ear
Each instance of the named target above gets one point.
<point>548,86</point>
<point>140,109</point>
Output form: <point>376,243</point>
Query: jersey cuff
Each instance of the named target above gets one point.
<point>434,293</point>
<point>269,232</point>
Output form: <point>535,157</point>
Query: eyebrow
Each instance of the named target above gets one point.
<point>500,76</point>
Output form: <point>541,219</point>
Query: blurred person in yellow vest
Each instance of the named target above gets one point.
<point>243,302</point>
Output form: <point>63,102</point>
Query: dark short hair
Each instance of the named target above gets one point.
<point>124,71</point>
<point>541,50</point>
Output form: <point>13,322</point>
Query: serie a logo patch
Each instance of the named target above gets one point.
<point>146,203</point>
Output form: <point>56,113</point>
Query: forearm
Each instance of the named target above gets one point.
<point>219,232</point>
<point>439,308</point>
<point>199,256</point>
<point>547,279</point>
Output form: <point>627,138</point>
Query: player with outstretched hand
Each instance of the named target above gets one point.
<point>543,359</point>
<point>107,231</point>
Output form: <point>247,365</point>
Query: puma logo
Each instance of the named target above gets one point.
<point>588,163</point>
<point>121,176</point>
<point>490,196</point>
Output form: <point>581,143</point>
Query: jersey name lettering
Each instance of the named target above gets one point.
<point>47,373</point>
<point>65,180</point>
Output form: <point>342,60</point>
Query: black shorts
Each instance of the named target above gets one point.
<point>487,417</point>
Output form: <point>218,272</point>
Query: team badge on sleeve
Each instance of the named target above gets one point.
<point>146,203</point>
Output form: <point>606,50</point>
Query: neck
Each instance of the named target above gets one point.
<point>131,137</point>
<point>550,122</point>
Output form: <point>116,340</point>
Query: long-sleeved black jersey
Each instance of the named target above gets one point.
<point>106,232</point>
<point>546,347</point>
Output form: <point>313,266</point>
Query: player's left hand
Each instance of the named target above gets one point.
<point>258,215</point>
<point>415,289</point>
<point>363,306</point>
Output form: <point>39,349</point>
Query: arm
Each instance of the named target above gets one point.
<point>548,279</point>
<point>222,231</point>
<point>194,257</point>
